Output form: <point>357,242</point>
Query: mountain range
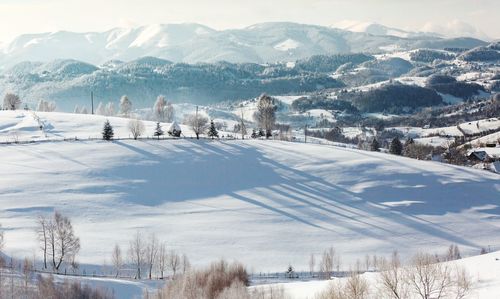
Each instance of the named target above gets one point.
<point>192,43</point>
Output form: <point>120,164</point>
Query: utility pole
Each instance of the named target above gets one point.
<point>92,101</point>
<point>196,124</point>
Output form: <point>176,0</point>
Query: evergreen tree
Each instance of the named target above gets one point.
<point>254,134</point>
<point>261,133</point>
<point>107,132</point>
<point>374,146</point>
<point>212,131</point>
<point>158,131</point>
<point>396,147</point>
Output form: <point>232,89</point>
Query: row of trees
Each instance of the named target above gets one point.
<point>137,128</point>
<point>163,111</point>
<point>147,256</point>
<point>13,102</point>
<point>59,246</point>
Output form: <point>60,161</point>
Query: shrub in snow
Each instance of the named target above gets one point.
<point>47,288</point>
<point>217,280</point>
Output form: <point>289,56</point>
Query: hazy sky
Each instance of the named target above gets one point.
<point>452,17</point>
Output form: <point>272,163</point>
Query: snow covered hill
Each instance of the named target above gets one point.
<point>267,204</point>
<point>260,43</point>
<point>484,272</point>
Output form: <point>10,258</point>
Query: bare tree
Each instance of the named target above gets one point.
<point>136,128</point>
<point>11,101</point>
<point>356,287</point>
<point>266,113</point>
<point>197,122</point>
<point>428,278</point>
<point>136,253</point>
<point>391,279</point>
<point>367,262</point>
<point>62,240</point>
<point>159,108</point>
<point>117,259</point>
<point>45,106</point>
<point>110,109</point>
<point>327,262</point>
<point>101,109</point>
<point>463,283</point>
<point>152,253</point>
<point>312,263</point>
<point>375,261</point>
<point>125,106</point>
<point>243,128</point>
<point>43,228</point>
<point>27,268</point>
<point>453,253</point>
<point>169,112</point>
<point>162,259</point>
<point>186,265</point>
<point>174,262</point>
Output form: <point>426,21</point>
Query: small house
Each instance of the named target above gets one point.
<point>478,155</point>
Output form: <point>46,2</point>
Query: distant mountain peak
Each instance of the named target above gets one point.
<point>191,43</point>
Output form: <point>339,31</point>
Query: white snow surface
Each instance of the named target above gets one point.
<point>484,271</point>
<point>267,204</point>
<point>287,45</point>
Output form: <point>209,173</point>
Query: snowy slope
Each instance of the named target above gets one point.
<point>265,203</point>
<point>484,271</point>
<point>25,126</point>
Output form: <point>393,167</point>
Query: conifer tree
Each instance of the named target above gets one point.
<point>254,134</point>
<point>212,131</point>
<point>396,147</point>
<point>107,132</point>
<point>158,131</point>
<point>374,146</point>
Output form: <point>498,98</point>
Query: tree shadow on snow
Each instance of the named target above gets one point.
<point>190,170</point>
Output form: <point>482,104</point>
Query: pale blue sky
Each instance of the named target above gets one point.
<point>453,17</point>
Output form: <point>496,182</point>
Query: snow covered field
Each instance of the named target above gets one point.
<point>268,204</point>
<point>484,271</point>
